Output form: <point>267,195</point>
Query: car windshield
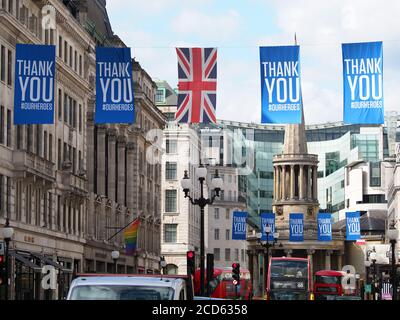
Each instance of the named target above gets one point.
<point>116,292</point>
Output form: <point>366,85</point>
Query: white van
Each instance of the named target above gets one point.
<point>130,287</point>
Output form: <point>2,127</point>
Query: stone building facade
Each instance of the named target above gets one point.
<point>66,187</point>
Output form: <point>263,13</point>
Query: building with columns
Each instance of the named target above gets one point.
<point>66,187</point>
<point>296,191</point>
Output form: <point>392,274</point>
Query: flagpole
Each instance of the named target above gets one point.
<point>122,229</point>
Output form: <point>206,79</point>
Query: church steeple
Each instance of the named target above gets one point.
<point>295,138</point>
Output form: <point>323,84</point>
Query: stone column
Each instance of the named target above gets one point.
<point>251,264</point>
<point>112,138</point>
<point>309,183</point>
<point>279,185</point>
<point>328,260</point>
<point>283,182</point>
<point>340,260</point>
<point>101,160</point>
<point>256,278</point>
<point>130,149</point>
<point>301,182</point>
<point>310,254</point>
<point>90,151</point>
<point>288,253</point>
<point>315,186</point>
<point>292,182</point>
<point>121,170</point>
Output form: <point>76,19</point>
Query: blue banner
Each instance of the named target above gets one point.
<point>363,83</point>
<point>34,84</point>
<point>267,219</point>
<point>353,228</point>
<point>324,227</point>
<point>280,85</point>
<point>114,86</point>
<point>296,225</point>
<point>239,225</point>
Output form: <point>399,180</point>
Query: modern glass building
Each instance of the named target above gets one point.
<point>336,145</point>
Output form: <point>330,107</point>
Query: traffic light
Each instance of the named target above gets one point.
<point>2,270</point>
<point>191,265</point>
<point>236,272</point>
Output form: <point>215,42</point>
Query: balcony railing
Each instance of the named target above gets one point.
<point>307,157</point>
<point>29,164</point>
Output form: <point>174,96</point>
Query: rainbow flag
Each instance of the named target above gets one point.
<point>130,235</point>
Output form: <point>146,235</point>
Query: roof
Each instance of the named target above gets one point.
<point>372,221</point>
<point>145,280</point>
<point>332,273</point>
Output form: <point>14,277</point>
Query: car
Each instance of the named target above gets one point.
<point>130,287</point>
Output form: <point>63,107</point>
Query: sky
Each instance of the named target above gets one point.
<point>154,28</point>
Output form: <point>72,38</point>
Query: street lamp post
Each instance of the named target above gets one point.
<point>373,258</point>
<point>267,245</point>
<point>8,232</point>
<point>217,183</point>
<point>115,257</point>
<point>393,235</point>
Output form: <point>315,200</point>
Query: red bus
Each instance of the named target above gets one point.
<point>289,279</point>
<point>328,283</point>
<point>222,284</point>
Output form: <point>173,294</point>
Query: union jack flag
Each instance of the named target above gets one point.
<point>197,71</point>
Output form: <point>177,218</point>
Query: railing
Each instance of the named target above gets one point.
<point>29,162</point>
<point>312,157</point>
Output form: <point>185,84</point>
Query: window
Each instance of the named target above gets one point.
<point>236,254</point>
<point>170,116</point>
<point>80,65</point>
<point>375,174</point>
<point>228,215</point>
<point>65,51</point>
<point>80,118</point>
<point>242,254</point>
<point>9,69</point>
<point>60,46</point>
<point>50,147</point>
<point>171,146</point>
<point>3,64</point>
<point>227,234</point>
<point>66,100</point>
<point>216,234</point>
<point>45,144</point>
<point>217,254</point>
<point>216,213</point>
<point>170,170</point>
<point>170,200</point>
<point>2,121</point>
<point>160,96</point>
<point>227,254</point>
<point>59,104</point>
<point>170,233</point>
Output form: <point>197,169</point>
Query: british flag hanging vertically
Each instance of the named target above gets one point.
<point>197,71</point>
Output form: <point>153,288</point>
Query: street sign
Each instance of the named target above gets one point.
<point>235,282</point>
<point>2,246</point>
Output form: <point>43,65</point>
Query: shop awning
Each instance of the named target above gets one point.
<point>25,261</point>
<point>48,261</point>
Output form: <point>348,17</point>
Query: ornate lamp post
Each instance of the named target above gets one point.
<point>8,233</point>
<point>373,257</point>
<point>217,183</point>
<point>267,245</point>
<point>393,235</point>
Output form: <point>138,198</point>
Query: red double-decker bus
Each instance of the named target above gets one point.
<point>222,285</point>
<point>328,283</point>
<point>289,279</point>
